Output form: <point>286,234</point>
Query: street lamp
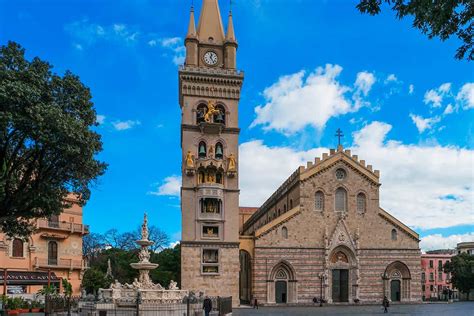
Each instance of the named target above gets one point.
<point>322,277</point>
<point>384,277</point>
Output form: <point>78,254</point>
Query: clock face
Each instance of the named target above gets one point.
<point>210,58</point>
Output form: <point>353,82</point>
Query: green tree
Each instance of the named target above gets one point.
<point>47,145</point>
<point>169,268</point>
<point>461,268</point>
<point>434,18</point>
<point>93,280</point>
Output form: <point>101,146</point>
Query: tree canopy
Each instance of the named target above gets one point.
<point>47,145</point>
<point>461,268</point>
<point>434,18</point>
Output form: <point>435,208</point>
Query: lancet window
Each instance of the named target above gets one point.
<point>219,117</point>
<point>202,150</point>
<point>361,203</point>
<point>200,112</point>
<point>341,200</point>
<point>219,151</point>
<point>319,201</point>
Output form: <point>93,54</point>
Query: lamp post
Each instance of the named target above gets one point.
<point>384,277</point>
<point>321,280</point>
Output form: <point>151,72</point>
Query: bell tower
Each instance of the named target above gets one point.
<point>209,93</point>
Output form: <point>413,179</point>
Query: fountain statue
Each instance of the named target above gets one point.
<point>142,287</point>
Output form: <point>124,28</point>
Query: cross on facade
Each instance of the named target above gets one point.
<point>339,134</point>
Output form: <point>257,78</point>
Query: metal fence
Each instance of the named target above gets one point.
<point>59,306</point>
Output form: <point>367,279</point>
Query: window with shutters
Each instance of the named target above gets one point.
<point>17,248</point>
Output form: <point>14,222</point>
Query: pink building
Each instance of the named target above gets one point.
<point>434,282</point>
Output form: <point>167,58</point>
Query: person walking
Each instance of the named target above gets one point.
<point>385,304</point>
<point>207,306</point>
<point>255,303</point>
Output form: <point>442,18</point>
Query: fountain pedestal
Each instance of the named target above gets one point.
<point>142,287</point>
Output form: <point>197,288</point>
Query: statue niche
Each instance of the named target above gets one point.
<point>210,175</point>
<point>189,163</point>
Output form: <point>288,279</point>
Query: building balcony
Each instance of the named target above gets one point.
<point>50,263</point>
<point>63,226</point>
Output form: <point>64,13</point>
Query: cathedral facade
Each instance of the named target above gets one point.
<point>321,234</point>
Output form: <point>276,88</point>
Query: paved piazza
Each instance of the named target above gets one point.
<point>460,308</point>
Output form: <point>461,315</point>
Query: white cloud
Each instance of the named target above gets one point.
<point>465,96</point>
<point>86,33</point>
<point>423,186</point>
<point>448,110</point>
<point>124,125</point>
<point>278,162</point>
<point>174,45</point>
<point>437,241</point>
<point>171,186</point>
<point>411,89</point>
<point>423,124</point>
<point>171,42</point>
<point>294,102</point>
<point>364,81</point>
<point>435,96</point>
<point>391,78</point>
<point>100,119</point>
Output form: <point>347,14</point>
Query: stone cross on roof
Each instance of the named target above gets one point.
<point>339,134</point>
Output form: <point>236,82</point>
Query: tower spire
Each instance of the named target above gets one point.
<point>210,23</point>
<point>230,36</point>
<point>192,24</point>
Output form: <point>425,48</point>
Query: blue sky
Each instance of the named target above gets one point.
<point>404,103</point>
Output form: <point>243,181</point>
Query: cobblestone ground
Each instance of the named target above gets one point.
<point>454,309</point>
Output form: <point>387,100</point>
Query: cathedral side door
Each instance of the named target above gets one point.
<point>280,292</point>
<point>340,285</point>
<point>395,290</point>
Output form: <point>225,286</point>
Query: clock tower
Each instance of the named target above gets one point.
<point>209,93</point>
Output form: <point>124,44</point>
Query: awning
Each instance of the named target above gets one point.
<point>28,278</point>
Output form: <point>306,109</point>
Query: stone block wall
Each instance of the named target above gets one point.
<point>226,283</point>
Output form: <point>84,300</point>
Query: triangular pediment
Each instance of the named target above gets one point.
<point>341,236</point>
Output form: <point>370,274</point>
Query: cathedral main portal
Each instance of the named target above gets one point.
<point>340,285</point>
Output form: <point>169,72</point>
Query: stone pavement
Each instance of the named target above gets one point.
<point>442,309</point>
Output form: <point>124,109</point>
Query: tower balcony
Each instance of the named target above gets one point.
<point>210,190</point>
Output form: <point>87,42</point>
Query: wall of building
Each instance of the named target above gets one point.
<point>68,235</point>
<point>224,283</point>
<point>435,279</point>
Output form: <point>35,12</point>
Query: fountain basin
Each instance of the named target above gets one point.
<point>144,265</point>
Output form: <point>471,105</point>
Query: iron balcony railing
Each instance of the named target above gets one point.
<point>60,263</point>
<point>64,226</point>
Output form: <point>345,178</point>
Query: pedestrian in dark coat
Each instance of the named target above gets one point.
<point>207,306</point>
<point>385,304</point>
<point>255,303</point>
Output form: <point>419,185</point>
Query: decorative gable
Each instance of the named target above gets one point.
<point>341,236</point>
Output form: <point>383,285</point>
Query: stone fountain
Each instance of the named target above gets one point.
<point>142,289</point>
